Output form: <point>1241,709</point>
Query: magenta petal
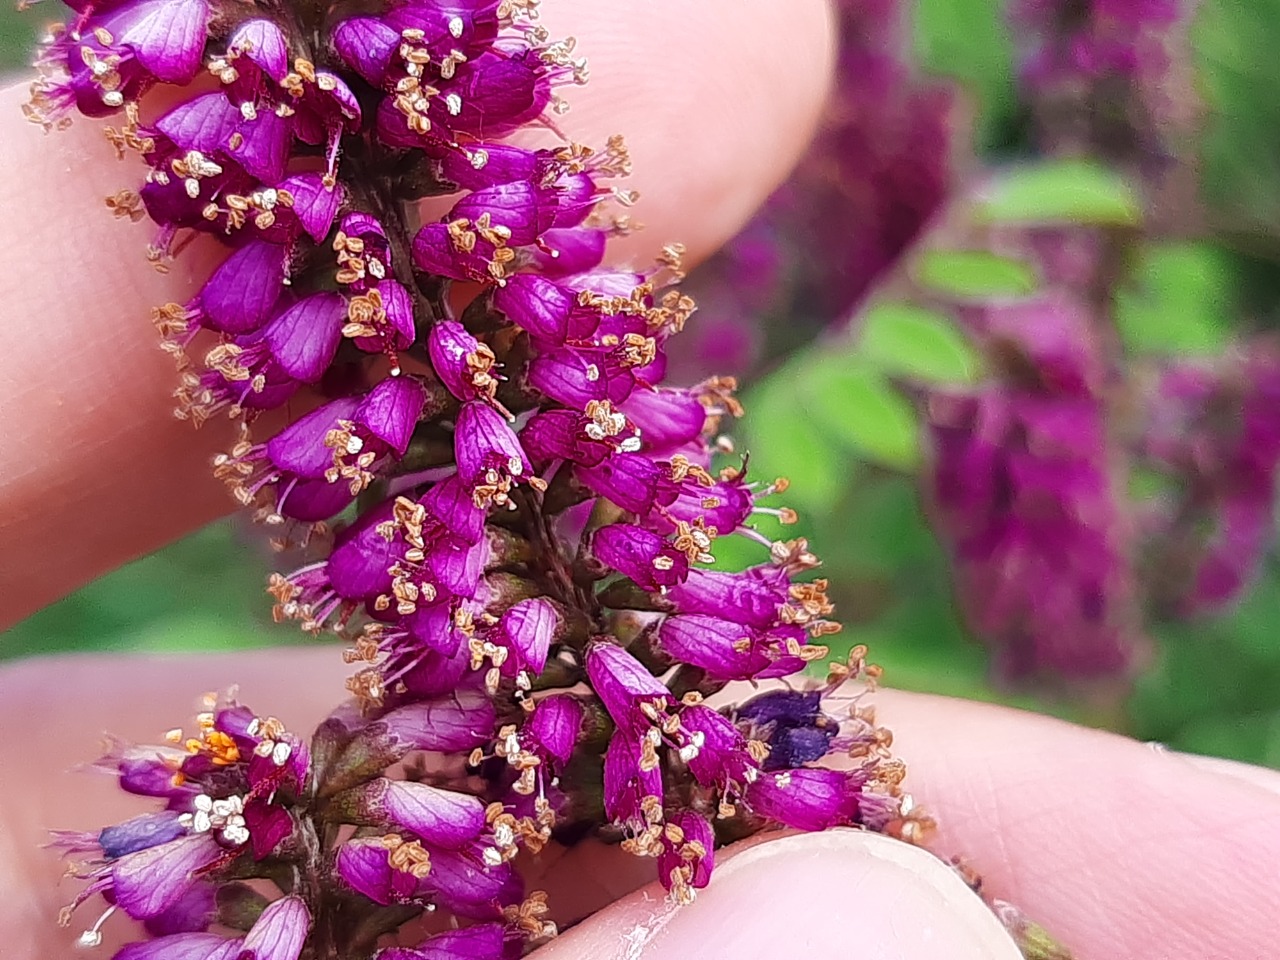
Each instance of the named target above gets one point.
<point>483,442</point>
<point>666,418</point>
<point>268,825</point>
<point>570,250</point>
<point>166,36</point>
<point>367,45</point>
<point>365,867</point>
<point>693,856</point>
<point>300,448</point>
<point>239,296</point>
<point>640,554</point>
<point>450,503</point>
<point>621,682</point>
<point>263,145</point>
<point>263,43</point>
<point>520,207</point>
<point>390,411</point>
<point>483,165</point>
<point>555,725</point>
<point>183,946</point>
<point>305,337</point>
<point>808,798</point>
<point>527,630</point>
<point>450,346</point>
<point>452,723</point>
<point>147,883</point>
<point>751,598</point>
<point>314,204</point>
<point>628,788</point>
<point>205,123</point>
<point>441,818</point>
<point>280,932</point>
<point>484,941</point>
<point>463,883</point>
<point>536,304</point>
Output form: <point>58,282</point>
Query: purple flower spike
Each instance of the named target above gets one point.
<point>640,554</point>
<point>521,676</point>
<point>442,818</point>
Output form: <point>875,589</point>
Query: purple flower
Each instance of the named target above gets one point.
<point>490,458</point>
<point>807,798</point>
<point>644,556</point>
<point>484,941</point>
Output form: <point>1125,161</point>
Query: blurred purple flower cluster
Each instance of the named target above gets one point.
<point>508,519</point>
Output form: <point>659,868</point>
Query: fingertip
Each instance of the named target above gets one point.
<point>717,101</point>
<point>818,896</point>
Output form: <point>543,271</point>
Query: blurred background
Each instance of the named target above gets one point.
<point>1011,331</point>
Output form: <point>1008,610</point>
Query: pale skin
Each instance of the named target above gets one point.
<point>1125,852</point>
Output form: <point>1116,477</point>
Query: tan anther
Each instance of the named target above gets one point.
<point>407,856</point>
<point>126,204</point>
<point>694,540</point>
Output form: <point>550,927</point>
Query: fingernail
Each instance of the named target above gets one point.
<point>820,896</point>
<point>1263,777</point>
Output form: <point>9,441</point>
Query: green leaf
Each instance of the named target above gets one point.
<point>855,406</point>
<point>782,441</point>
<point>974,274</point>
<point>1063,191</point>
<point>900,339</point>
<point>1182,300</point>
<point>969,40</point>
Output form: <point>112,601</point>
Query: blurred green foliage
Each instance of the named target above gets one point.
<point>832,420</point>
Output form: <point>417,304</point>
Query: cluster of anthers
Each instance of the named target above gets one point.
<point>504,514</point>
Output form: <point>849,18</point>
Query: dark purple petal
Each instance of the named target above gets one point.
<point>240,295</point>
<point>262,146</point>
<point>461,881</point>
<point>268,825</point>
<point>365,866</point>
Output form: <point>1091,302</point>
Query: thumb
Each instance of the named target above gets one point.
<point>819,896</point>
